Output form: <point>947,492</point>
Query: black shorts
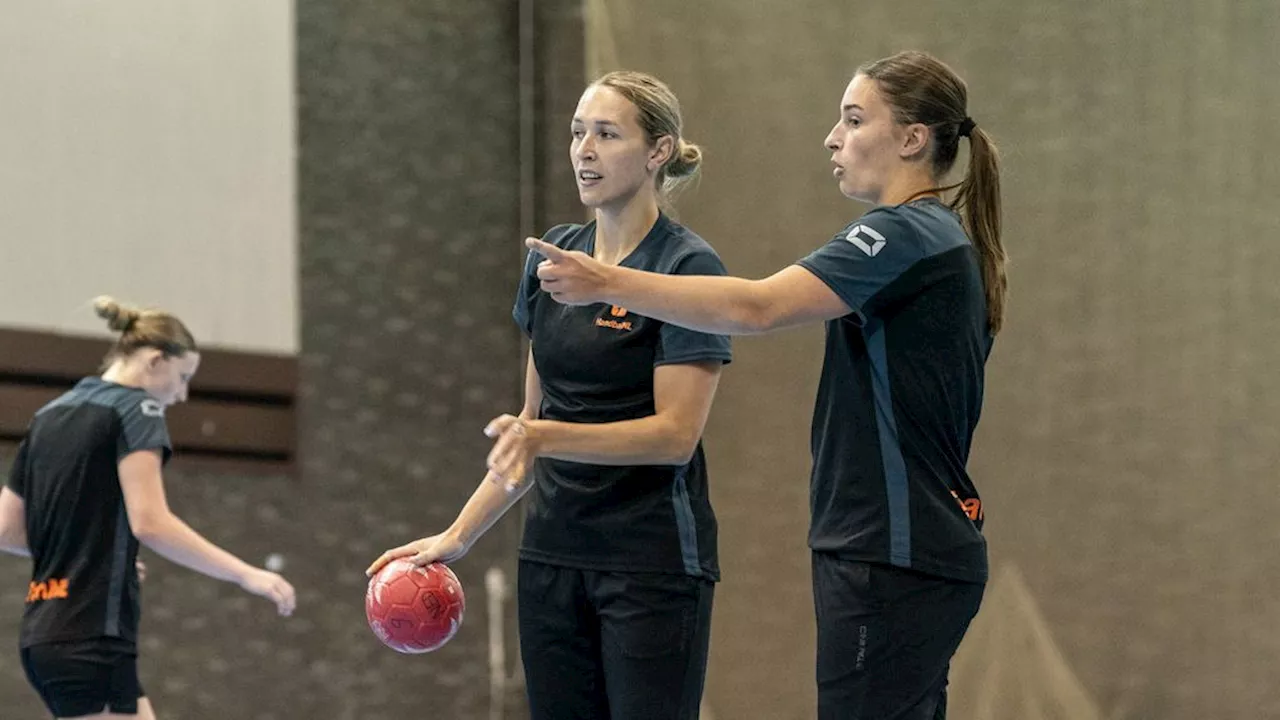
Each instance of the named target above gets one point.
<point>616,645</point>
<point>885,639</point>
<point>85,677</point>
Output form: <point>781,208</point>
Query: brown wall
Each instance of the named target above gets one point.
<point>1132,425</point>
<point>410,253</point>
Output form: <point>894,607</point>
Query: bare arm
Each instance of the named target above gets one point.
<point>682,396</point>
<point>490,501</point>
<point>487,504</point>
<point>158,528</point>
<point>13,524</point>
<point>712,304</point>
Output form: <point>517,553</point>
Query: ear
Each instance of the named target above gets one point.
<point>663,148</point>
<point>915,139</point>
<point>153,357</point>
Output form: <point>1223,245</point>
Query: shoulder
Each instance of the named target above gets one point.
<point>679,248</point>
<point>568,235</point>
<point>930,226</point>
<point>134,404</point>
<point>95,391</point>
<point>880,228</point>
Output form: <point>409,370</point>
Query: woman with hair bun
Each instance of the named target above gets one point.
<point>84,491</point>
<point>619,560</point>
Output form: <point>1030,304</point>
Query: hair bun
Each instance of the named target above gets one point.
<point>686,160</point>
<point>119,317</point>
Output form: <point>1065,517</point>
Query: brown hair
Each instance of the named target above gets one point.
<point>922,89</point>
<point>659,111</point>
<point>142,329</point>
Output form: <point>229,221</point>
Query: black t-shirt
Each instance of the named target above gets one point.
<point>596,364</point>
<point>84,582</point>
<point>900,394</point>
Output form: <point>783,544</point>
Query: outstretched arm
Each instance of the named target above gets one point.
<point>712,304</point>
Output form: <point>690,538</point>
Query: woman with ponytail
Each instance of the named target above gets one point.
<point>84,491</point>
<point>618,562</point>
<point>912,294</point>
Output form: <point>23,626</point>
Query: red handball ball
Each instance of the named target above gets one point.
<point>414,609</point>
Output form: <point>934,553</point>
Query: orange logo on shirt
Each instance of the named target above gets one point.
<point>52,589</point>
<point>972,507</point>
<point>617,312</point>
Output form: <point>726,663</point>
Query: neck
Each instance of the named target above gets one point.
<point>121,373</point>
<point>908,186</point>
<point>619,231</point>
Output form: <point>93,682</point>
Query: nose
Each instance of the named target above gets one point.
<point>831,143</point>
<point>182,393</point>
<point>586,149</point>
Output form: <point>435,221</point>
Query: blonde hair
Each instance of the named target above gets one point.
<point>140,328</point>
<point>659,111</point>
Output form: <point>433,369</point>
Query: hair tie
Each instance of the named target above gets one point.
<point>966,126</point>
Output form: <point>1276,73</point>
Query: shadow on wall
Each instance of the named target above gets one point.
<point>1010,667</point>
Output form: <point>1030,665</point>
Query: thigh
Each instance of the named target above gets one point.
<point>885,639</point>
<point>559,644</point>
<point>145,712</point>
<point>655,631</point>
<point>851,634</point>
<point>80,679</point>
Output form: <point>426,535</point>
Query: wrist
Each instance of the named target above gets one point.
<point>538,434</point>
<point>243,574</point>
<point>611,284</point>
<point>459,535</point>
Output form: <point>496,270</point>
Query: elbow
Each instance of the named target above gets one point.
<point>149,527</point>
<point>682,448</point>
<point>761,323</point>
<point>758,315</point>
<point>13,535</point>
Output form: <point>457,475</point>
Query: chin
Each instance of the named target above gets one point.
<point>859,194</point>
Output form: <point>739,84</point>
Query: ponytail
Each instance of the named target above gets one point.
<point>978,203</point>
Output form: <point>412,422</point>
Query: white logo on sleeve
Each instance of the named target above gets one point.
<point>855,236</point>
<point>152,408</point>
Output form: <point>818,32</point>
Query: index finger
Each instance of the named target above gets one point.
<point>546,249</point>
<point>385,558</point>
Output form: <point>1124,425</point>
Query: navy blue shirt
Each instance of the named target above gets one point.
<point>901,393</point>
<point>84,582</point>
<point>596,363</point>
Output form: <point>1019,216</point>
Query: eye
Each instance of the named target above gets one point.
<point>578,133</point>
<point>853,121</point>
